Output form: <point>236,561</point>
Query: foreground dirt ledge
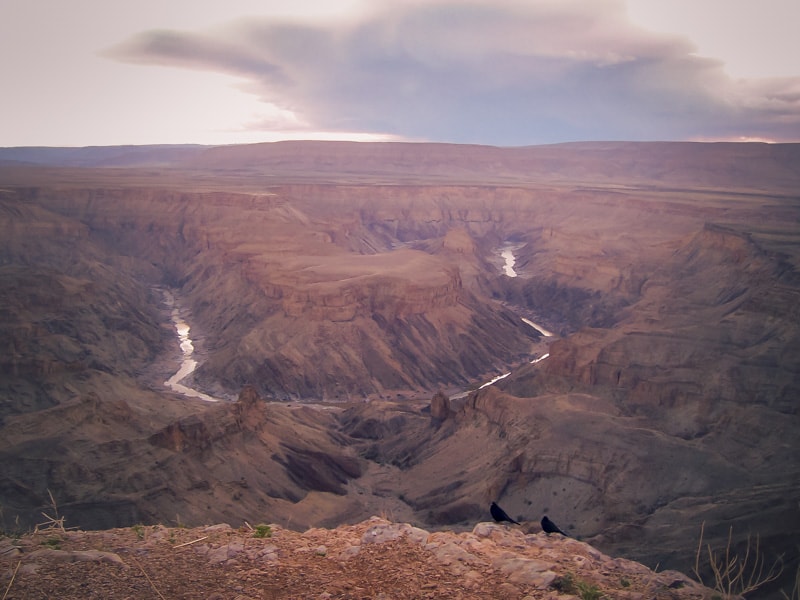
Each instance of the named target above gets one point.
<point>373,559</point>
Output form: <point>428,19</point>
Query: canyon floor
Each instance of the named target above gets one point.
<point>346,303</point>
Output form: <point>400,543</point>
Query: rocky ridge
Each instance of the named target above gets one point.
<point>375,558</point>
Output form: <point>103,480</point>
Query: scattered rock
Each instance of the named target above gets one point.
<point>454,557</point>
<point>225,553</point>
<point>386,532</point>
<point>525,570</point>
<point>64,556</point>
<point>395,561</point>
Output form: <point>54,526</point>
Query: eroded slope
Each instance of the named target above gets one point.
<point>341,272</point>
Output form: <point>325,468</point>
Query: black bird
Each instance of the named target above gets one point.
<point>499,515</point>
<point>549,527</point>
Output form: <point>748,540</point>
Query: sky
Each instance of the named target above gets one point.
<point>500,72</point>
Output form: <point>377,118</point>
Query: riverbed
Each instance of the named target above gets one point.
<point>188,363</point>
<point>509,260</point>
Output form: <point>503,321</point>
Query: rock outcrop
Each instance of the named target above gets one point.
<point>376,557</point>
<point>440,407</point>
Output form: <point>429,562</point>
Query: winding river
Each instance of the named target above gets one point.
<point>507,254</point>
<point>188,364</point>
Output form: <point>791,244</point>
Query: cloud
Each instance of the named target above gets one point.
<point>501,73</point>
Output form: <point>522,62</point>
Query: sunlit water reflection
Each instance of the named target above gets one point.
<point>188,365</point>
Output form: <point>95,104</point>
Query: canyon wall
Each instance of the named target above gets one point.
<point>363,279</point>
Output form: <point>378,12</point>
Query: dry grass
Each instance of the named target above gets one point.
<point>13,576</point>
<point>794,594</point>
<point>150,581</point>
<point>53,522</point>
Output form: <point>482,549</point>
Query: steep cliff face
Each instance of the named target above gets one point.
<point>328,291</point>
<point>286,304</point>
<point>114,463</point>
<point>700,361</point>
<point>713,326</point>
<point>70,309</point>
<point>536,452</point>
<point>603,475</point>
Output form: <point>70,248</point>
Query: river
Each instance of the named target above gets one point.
<point>509,260</point>
<point>188,364</point>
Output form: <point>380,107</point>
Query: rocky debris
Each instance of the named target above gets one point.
<point>372,559</point>
<point>387,532</point>
<point>48,554</point>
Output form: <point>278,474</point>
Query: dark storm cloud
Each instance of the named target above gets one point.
<point>196,51</point>
<point>500,73</point>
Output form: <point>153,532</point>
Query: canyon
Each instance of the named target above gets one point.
<point>347,301</point>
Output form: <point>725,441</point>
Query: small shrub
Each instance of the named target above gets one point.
<point>565,583</point>
<point>736,575</point>
<point>53,542</point>
<point>589,591</point>
<point>53,521</point>
<point>139,531</point>
<point>569,584</point>
<point>14,532</point>
<point>262,531</point>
